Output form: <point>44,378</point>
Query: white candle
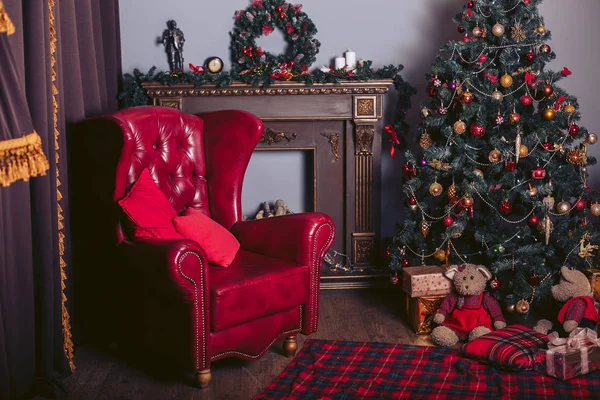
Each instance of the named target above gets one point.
<point>340,63</point>
<point>350,59</point>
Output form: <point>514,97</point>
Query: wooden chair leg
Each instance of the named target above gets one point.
<point>203,378</point>
<point>290,346</point>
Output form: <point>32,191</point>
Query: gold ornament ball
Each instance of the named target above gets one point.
<point>549,114</point>
<point>478,173</point>
<point>563,207</point>
<point>510,308</point>
<point>541,29</point>
<point>522,306</point>
<point>592,138</point>
<point>495,156</point>
<point>477,31</point>
<point>532,191</point>
<point>467,97</point>
<point>595,209</point>
<point>460,127</point>
<point>498,30</point>
<point>497,96</point>
<point>569,108</point>
<point>514,118</point>
<point>523,151</point>
<point>506,81</point>
<point>435,189</point>
<point>440,255</point>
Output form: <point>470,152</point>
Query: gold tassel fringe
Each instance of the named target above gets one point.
<point>22,158</point>
<point>6,25</point>
<point>66,319</point>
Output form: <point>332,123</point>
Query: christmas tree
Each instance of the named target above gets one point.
<point>501,178</point>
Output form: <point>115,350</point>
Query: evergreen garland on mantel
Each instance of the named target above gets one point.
<point>135,95</point>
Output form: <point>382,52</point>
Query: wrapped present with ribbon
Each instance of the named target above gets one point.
<point>594,277</point>
<point>420,311</point>
<point>569,357</point>
<point>426,280</point>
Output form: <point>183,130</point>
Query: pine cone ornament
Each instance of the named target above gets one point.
<point>425,141</point>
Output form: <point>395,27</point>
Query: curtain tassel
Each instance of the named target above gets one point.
<point>21,159</point>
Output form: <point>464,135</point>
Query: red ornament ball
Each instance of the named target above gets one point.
<point>574,130</point>
<point>548,146</point>
<point>548,90</point>
<point>442,110</point>
<point>534,220</point>
<point>477,130</point>
<point>432,92</point>
<point>482,58</point>
<point>526,1</point>
<point>580,205</point>
<point>538,173</point>
<point>505,207</point>
<point>526,100</point>
<point>448,221</point>
<point>388,253</point>
<point>466,39</point>
<point>494,284</point>
<point>405,262</point>
<point>470,4</point>
<point>530,57</point>
<point>412,201</point>
<point>394,280</point>
<point>545,49</point>
<point>460,29</point>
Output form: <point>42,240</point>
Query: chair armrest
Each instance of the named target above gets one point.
<point>178,269</point>
<point>301,238</point>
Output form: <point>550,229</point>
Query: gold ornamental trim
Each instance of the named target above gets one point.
<point>6,25</point>
<point>22,158</point>
<point>276,89</point>
<point>66,319</point>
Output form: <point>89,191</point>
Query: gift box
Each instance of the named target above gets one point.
<point>594,277</point>
<point>573,356</point>
<point>420,312</point>
<point>425,281</point>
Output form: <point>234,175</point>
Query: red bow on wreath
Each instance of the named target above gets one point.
<point>560,100</point>
<point>393,140</point>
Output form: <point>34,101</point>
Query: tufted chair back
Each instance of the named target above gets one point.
<point>192,167</point>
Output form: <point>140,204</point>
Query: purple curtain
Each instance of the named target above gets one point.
<point>67,59</point>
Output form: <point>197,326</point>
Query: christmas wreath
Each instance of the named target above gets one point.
<point>262,17</point>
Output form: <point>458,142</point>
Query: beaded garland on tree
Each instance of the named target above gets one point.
<point>518,159</point>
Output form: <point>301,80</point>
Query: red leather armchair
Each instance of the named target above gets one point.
<point>182,307</point>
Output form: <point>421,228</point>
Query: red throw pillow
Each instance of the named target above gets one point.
<point>148,210</point>
<point>218,243</point>
<point>514,347</point>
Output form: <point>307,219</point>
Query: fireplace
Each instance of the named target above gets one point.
<point>337,128</point>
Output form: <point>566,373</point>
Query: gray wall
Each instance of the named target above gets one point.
<point>385,31</point>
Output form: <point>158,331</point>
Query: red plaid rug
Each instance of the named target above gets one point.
<point>326,369</point>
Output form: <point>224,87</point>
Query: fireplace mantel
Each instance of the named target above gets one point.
<point>341,125</point>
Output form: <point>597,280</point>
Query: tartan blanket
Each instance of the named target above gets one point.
<point>326,369</point>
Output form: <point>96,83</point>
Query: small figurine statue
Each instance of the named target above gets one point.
<point>173,39</point>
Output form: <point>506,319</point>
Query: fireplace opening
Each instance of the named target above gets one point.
<point>280,174</point>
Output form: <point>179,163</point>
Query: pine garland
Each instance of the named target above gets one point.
<point>135,94</point>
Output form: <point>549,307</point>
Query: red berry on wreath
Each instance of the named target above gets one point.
<point>534,220</point>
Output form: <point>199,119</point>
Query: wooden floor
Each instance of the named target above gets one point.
<point>360,315</point>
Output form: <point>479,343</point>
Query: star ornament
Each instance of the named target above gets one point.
<point>517,33</point>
